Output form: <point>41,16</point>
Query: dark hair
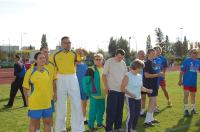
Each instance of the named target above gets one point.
<point>27,59</point>
<point>41,48</point>
<point>120,51</point>
<point>17,56</point>
<point>150,50</point>
<point>36,56</point>
<point>137,64</point>
<point>65,37</point>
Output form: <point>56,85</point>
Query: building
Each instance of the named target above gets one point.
<point>28,47</point>
<point>9,48</point>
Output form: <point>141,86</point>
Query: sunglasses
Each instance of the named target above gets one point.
<point>66,42</point>
<point>194,52</point>
<point>98,59</point>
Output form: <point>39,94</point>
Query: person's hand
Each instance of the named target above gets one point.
<point>107,90</point>
<point>13,78</point>
<point>180,82</point>
<point>132,96</point>
<point>161,74</point>
<point>55,96</point>
<point>149,91</point>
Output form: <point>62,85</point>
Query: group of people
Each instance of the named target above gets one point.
<point>64,73</point>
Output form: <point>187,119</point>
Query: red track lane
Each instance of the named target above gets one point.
<point>6,74</point>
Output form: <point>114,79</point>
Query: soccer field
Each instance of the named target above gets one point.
<point>171,119</point>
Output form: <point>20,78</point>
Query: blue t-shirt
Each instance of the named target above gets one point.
<point>80,72</point>
<point>164,62</point>
<point>158,65</point>
<point>161,64</point>
<point>189,67</point>
<point>134,84</point>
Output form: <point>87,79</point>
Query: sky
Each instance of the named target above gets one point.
<point>91,23</point>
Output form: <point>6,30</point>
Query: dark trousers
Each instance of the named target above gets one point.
<point>114,110</point>
<point>15,86</point>
<point>134,107</point>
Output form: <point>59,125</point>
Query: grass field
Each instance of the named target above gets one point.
<point>172,120</point>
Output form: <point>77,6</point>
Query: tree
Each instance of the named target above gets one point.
<point>30,47</point>
<point>198,45</point>
<point>181,49</point>
<point>44,41</point>
<point>185,46</point>
<point>123,44</point>
<point>176,48</point>
<point>160,37</point>
<point>112,47</point>
<point>148,43</point>
<point>167,45</point>
<point>191,46</point>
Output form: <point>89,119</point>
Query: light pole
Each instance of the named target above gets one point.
<point>9,56</point>
<point>22,42</point>
<point>135,42</point>
<point>181,33</point>
<point>129,42</point>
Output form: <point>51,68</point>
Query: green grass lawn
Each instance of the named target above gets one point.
<point>15,119</point>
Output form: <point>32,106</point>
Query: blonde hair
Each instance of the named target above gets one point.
<point>98,55</point>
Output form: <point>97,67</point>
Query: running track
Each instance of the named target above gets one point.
<point>6,74</point>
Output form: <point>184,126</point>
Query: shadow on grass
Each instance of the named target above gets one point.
<point>183,125</point>
<point>6,99</point>
<point>10,109</point>
<point>162,110</point>
<point>140,125</point>
<point>198,125</point>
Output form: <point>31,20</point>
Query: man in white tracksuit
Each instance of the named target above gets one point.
<point>67,84</point>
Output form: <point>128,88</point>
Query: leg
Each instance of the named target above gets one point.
<point>111,110</point>
<point>119,114</point>
<point>77,121</point>
<point>51,118</point>
<point>165,92</point>
<point>23,97</point>
<point>13,92</point>
<point>137,108</point>
<point>100,111</point>
<point>92,112</point>
<point>131,112</point>
<point>151,108</point>
<point>143,101</point>
<point>84,106</point>
<point>51,123</point>
<point>33,124</point>
<point>193,95</point>
<point>60,124</point>
<point>186,95</point>
<point>47,124</point>
<point>38,126</point>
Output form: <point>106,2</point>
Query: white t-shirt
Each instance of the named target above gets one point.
<point>134,84</point>
<point>115,71</point>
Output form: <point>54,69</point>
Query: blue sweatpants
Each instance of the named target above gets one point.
<point>133,107</point>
